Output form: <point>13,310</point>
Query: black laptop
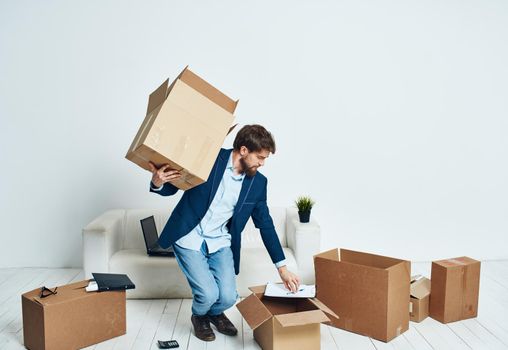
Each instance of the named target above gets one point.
<point>151,239</point>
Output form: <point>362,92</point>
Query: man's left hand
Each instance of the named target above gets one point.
<point>291,280</point>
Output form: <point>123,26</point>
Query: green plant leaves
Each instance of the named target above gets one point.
<point>304,203</point>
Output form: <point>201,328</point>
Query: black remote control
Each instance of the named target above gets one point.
<point>168,344</point>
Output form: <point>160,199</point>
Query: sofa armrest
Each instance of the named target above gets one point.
<point>101,239</point>
<point>305,241</point>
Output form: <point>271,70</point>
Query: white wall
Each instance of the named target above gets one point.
<point>392,114</point>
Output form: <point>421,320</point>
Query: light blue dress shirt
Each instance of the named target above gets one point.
<point>212,228</point>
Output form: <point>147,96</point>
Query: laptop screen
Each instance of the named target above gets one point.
<point>150,232</point>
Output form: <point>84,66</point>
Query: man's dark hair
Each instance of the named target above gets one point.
<point>255,137</point>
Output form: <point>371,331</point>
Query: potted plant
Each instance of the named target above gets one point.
<point>304,205</point>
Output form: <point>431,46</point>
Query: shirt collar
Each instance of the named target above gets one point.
<point>232,169</point>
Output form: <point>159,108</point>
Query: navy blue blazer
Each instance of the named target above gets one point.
<point>195,202</point>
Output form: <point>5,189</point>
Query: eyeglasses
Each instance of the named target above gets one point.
<point>45,292</point>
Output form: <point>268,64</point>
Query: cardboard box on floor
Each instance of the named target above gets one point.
<point>455,287</point>
<point>284,323</point>
<point>369,293</point>
<point>72,318</point>
<point>185,126</point>
<point>419,299</point>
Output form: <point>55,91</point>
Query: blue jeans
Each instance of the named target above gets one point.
<point>211,277</point>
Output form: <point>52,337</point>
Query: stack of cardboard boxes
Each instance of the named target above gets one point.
<point>450,295</point>
<point>368,294</point>
<point>374,295</point>
<point>364,293</point>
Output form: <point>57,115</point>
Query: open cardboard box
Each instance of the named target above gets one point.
<point>419,299</point>
<point>284,323</point>
<point>455,288</point>
<point>185,126</point>
<point>370,293</point>
<point>72,318</point>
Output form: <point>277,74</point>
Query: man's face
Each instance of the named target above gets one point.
<point>251,161</point>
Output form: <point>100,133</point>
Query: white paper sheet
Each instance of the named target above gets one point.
<point>92,287</point>
<point>278,290</point>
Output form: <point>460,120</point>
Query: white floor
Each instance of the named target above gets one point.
<point>150,320</point>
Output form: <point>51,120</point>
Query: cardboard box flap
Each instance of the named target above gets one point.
<point>332,254</point>
<point>323,307</point>
<point>157,97</point>
<point>420,288</point>
<point>301,318</point>
<point>207,90</point>
<point>253,311</point>
<point>231,128</point>
<point>416,278</point>
<point>368,259</point>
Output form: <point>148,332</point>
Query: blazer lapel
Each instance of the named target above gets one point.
<point>219,168</point>
<point>246,186</point>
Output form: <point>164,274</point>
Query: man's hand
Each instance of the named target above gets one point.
<point>163,174</point>
<point>291,281</point>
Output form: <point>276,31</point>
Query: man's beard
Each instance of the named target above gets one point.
<point>250,171</point>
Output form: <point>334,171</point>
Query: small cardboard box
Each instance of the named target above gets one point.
<point>419,299</point>
<point>284,323</point>
<point>185,126</point>
<point>370,293</point>
<point>455,286</point>
<point>72,318</point>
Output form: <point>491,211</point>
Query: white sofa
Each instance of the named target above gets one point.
<point>113,242</point>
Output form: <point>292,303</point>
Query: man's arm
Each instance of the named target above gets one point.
<point>263,221</point>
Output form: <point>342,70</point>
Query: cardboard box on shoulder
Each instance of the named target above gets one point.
<point>185,126</point>
<point>369,293</point>
<point>455,287</point>
<point>284,323</point>
<point>419,299</point>
<point>72,318</point>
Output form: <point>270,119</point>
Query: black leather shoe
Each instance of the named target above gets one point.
<point>223,324</point>
<point>202,328</point>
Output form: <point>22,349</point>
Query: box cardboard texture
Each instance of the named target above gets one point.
<point>72,318</point>
<point>284,323</point>
<point>185,126</point>
<point>369,293</point>
<point>419,299</point>
<point>455,287</point>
